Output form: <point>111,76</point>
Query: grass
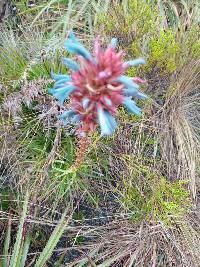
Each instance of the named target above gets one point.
<point>63,15</point>
<point>185,100</point>
<point>134,200</point>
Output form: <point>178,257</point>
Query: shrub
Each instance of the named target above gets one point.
<point>163,51</point>
<point>149,195</point>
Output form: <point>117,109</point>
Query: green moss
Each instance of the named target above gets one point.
<point>148,195</point>
<point>163,51</point>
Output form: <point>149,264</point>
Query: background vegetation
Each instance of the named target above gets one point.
<point>135,199</point>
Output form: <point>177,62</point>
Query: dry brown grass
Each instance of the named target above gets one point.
<point>178,125</point>
<point>120,243</point>
<point>174,128</point>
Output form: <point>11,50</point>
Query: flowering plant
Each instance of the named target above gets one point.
<point>96,86</point>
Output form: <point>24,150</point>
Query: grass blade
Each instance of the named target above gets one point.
<point>6,245</point>
<point>108,262</point>
<point>17,246</point>
<point>43,10</point>
<point>53,240</point>
<point>25,251</point>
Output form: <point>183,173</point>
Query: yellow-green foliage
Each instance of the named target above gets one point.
<point>132,72</point>
<point>192,42</point>
<point>136,28</point>
<point>132,24</point>
<point>140,17</point>
<point>146,194</point>
<point>163,51</point>
<point>196,50</point>
<point>125,117</point>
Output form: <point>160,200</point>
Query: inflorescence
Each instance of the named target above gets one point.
<point>96,87</point>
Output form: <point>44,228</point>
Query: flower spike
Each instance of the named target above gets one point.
<point>96,87</point>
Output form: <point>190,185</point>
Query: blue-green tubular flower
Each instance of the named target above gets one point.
<point>96,87</point>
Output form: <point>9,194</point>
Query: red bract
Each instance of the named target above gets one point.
<point>97,86</point>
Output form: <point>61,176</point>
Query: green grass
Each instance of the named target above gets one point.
<point>19,253</point>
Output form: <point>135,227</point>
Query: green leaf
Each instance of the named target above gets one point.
<point>6,245</point>
<point>25,251</point>
<point>53,240</point>
<point>16,251</point>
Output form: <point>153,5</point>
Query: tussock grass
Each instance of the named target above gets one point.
<point>121,244</point>
<point>179,126</point>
